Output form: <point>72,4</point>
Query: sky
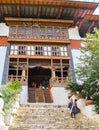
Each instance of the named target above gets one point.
<point>97,11</point>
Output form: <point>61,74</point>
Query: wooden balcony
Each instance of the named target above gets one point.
<point>23,80</point>
<point>59,81</point>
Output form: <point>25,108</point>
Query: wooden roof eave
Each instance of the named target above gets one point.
<point>92,18</point>
<point>52,3</point>
<point>36,20</point>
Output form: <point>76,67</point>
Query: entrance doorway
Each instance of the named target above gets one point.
<point>39,77</point>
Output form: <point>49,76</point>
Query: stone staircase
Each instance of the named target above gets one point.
<point>41,116</point>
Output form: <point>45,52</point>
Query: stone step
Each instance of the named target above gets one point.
<point>49,117</point>
<point>43,105</point>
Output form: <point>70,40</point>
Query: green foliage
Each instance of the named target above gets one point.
<point>74,87</point>
<point>96,98</point>
<point>88,69</point>
<point>9,94</point>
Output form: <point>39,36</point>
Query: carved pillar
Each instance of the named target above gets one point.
<point>53,73</point>
<point>23,75</point>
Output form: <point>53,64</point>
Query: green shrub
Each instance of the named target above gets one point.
<point>75,87</point>
<point>96,100</point>
<point>9,94</point>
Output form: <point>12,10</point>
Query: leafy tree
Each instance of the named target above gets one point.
<point>88,69</point>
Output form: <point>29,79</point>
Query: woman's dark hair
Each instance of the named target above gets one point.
<point>75,100</point>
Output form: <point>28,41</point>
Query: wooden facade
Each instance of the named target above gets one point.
<point>39,46</point>
<point>39,54</point>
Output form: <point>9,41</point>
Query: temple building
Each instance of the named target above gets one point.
<point>39,43</point>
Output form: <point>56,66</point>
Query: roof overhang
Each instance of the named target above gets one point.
<point>88,24</point>
<point>51,2</point>
<point>48,9</point>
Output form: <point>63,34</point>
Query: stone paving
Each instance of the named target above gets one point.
<point>50,117</point>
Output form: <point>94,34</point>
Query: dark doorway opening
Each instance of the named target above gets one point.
<point>65,71</point>
<point>39,77</point>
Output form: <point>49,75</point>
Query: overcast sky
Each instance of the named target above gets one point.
<point>97,11</point>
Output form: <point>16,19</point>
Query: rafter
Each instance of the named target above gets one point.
<point>81,23</point>
<point>18,10</point>
<point>1,14</point>
<point>60,11</point>
<point>92,24</point>
<point>39,11</point>
<point>76,14</point>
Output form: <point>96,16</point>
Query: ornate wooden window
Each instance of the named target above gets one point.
<point>49,33</point>
<point>57,33</point>
<point>39,32</point>
<point>63,51</point>
<point>42,33</point>
<point>32,50</point>
<point>13,50</point>
<point>22,50</point>
<point>20,31</point>
<point>17,69</point>
<point>64,33</point>
<point>12,31</point>
<point>47,50</point>
<point>39,50</point>
<point>35,32</point>
<point>28,31</point>
<point>55,51</point>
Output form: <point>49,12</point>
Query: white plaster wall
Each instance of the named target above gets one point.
<point>89,110</point>
<point>24,95</point>
<point>60,95</point>
<point>4,29</point>
<point>74,33</point>
<point>76,54</point>
<point>3,50</point>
